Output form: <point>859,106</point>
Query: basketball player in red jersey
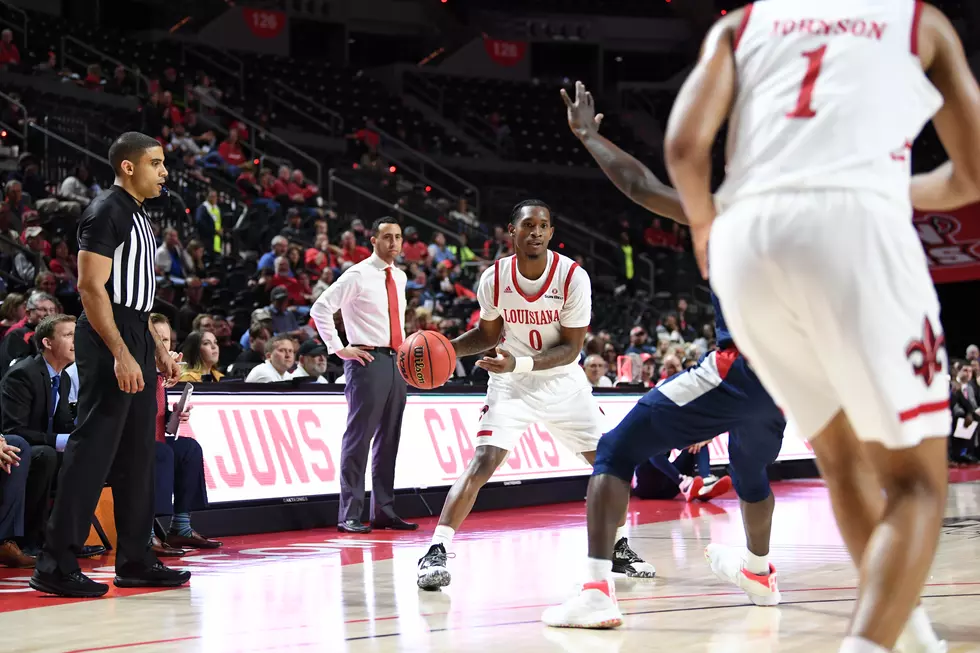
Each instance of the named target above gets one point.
<point>535,309</point>
<point>824,99</point>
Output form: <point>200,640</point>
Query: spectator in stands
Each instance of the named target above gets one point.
<point>284,321</point>
<point>93,78</point>
<point>297,292</point>
<point>208,221</point>
<point>120,84</point>
<point>193,304</point>
<point>34,405</point>
<point>299,187</point>
<point>972,353</point>
<point>326,278</point>
<point>19,343</point>
<point>280,353</point>
<point>253,353</point>
<point>231,153</point>
<point>439,252</point>
<point>64,264</point>
<point>595,370</point>
<point>203,322</point>
<point>18,203</point>
<point>671,366</point>
<point>499,246</point>
<point>640,342</point>
<point>279,247</point>
<point>9,54</point>
<point>351,252</point>
<point>79,186</point>
<point>13,310</point>
<point>206,93</point>
<point>312,362</point>
<point>961,450</point>
<point>321,256</point>
<point>228,349</point>
<point>293,231</point>
<point>171,259</point>
<point>201,354</point>
<point>670,330</point>
<point>179,472</point>
<point>463,214</point>
<point>413,249</point>
<point>15,466</point>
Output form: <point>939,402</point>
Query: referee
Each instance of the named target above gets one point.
<point>117,403</point>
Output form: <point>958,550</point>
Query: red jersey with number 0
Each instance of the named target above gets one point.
<point>830,94</point>
<point>534,310</point>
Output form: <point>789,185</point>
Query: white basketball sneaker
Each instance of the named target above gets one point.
<point>728,565</point>
<point>593,607</point>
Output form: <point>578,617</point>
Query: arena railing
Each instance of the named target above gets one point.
<point>333,180</point>
<point>253,130</point>
<point>20,131</point>
<point>334,126</point>
<point>66,57</point>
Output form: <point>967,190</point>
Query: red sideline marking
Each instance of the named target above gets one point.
<point>924,409</point>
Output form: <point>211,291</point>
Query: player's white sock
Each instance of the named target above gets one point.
<point>860,645</point>
<point>443,535</point>
<point>621,532</point>
<point>919,634</point>
<point>597,569</point>
<point>756,564</point>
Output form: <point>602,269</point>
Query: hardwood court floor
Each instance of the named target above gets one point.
<point>320,591</point>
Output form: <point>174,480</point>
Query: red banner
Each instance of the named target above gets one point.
<point>505,53</point>
<point>264,23</point>
<point>952,243</point>
<point>269,446</point>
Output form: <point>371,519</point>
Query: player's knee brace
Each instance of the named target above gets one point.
<point>610,459</point>
<point>751,488</point>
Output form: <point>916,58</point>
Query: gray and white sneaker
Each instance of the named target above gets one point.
<point>628,563</point>
<point>432,572</point>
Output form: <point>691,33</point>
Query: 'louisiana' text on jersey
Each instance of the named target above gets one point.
<point>525,316</point>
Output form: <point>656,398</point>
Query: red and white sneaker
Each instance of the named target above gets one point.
<point>715,487</point>
<point>593,607</point>
<point>728,565</point>
<point>691,487</point>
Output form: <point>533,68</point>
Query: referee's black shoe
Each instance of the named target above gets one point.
<point>155,576</point>
<point>75,585</point>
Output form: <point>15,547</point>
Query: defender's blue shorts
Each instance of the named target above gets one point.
<point>720,394</point>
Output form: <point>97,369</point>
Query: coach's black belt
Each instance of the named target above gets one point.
<point>388,351</point>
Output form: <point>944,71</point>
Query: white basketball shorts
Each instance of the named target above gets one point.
<point>828,295</point>
<point>562,403</point>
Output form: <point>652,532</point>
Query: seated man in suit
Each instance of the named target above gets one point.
<point>34,405</point>
<point>180,486</point>
<point>15,465</point>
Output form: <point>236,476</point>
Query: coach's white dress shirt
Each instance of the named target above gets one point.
<point>361,297</point>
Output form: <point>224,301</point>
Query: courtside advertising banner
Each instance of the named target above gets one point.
<point>951,240</point>
<point>281,446</point>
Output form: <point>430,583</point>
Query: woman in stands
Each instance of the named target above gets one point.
<point>201,353</point>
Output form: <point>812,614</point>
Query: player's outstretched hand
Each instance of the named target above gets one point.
<point>582,117</point>
<point>501,364</point>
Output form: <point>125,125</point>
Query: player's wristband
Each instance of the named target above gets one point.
<point>523,364</point>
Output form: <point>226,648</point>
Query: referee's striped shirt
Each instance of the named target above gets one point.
<point>116,226</point>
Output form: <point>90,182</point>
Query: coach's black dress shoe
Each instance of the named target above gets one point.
<point>90,551</point>
<point>395,523</point>
<point>75,585</point>
<point>155,576</point>
<point>354,526</point>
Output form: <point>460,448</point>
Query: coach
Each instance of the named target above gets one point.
<point>371,298</point>
<point>117,403</point>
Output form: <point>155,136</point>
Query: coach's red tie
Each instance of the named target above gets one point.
<point>394,319</point>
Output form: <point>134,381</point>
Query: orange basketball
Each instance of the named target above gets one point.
<point>426,360</point>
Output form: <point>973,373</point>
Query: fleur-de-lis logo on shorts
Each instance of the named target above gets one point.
<point>924,354</point>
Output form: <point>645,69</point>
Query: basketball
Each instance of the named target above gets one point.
<point>426,360</point>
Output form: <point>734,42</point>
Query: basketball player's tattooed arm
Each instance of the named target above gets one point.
<point>702,106</point>
<point>957,182</point>
<point>634,179</point>
<point>568,349</point>
<point>483,338</point>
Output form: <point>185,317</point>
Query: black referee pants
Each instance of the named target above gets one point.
<point>114,441</point>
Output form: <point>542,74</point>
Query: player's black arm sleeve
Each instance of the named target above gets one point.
<point>483,338</point>
<point>634,179</point>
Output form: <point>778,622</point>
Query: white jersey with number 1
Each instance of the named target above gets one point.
<point>534,311</point>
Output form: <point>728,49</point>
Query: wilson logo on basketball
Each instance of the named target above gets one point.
<point>418,354</point>
<point>924,354</point>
